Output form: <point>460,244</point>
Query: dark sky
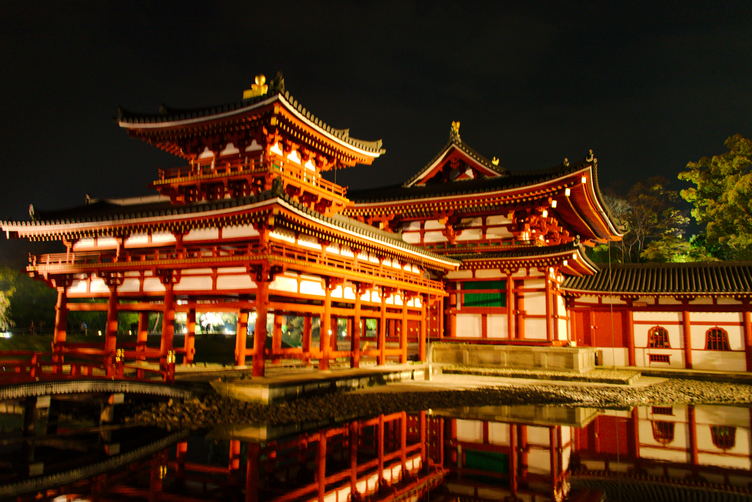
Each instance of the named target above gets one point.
<point>649,87</point>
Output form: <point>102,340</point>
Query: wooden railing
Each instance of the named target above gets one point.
<point>249,167</point>
<point>243,253</point>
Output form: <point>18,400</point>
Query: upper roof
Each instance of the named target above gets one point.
<point>730,278</point>
<point>179,118</point>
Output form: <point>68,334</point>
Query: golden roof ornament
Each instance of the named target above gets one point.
<point>495,161</point>
<point>454,134</point>
<point>257,89</point>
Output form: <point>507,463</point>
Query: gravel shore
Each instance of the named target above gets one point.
<point>213,410</point>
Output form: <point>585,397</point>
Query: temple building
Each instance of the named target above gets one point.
<point>464,251</point>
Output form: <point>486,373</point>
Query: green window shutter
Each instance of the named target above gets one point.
<point>496,298</point>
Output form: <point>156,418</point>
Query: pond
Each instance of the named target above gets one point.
<point>494,453</point>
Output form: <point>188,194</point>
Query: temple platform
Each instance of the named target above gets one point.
<point>574,359</point>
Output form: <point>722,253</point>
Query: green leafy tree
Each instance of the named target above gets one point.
<point>722,198</point>
<point>5,319</point>
<point>28,302</point>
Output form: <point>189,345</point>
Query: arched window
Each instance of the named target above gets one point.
<point>663,432</point>
<point>724,437</point>
<point>658,338</point>
<point>717,339</point>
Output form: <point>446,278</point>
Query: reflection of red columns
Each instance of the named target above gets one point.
<point>259,336</point>
<point>552,453</point>
<point>380,448</point>
<point>523,451</point>
<point>180,455</point>
<point>357,327</point>
<point>747,335</point>
<point>241,338</point>
<point>190,337</point>
<point>422,427</point>
<point>403,330</point>
<point>423,328</point>
<point>686,327</point>
<point>633,440</point>
<point>61,316</point>
<point>307,339</point>
<point>252,472</point>
<point>692,424</point>
<point>403,445</point>
<point>321,463</point>
<point>326,323</point>
<point>110,341</point>
<point>354,458</point>
<point>513,456</point>
<point>142,335</point>
<point>234,460</point>
<point>382,327</point>
<point>168,320</point>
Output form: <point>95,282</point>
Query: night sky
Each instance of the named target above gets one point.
<point>647,87</point>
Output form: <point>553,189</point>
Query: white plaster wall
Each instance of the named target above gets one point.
<point>308,241</point>
<point>433,225</point>
<point>470,430</point>
<point>312,288</point>
<point>202,234</point>
<point>721,360</point>
<point>535,303</point>
<point>494,233</point>
<point>78,287</point>
<point>497,220</point>
<point>675,361</point>
<point>188,283</point>
<point>705,441</point>
<point>471,222</point>
<point>647,439</point>
<point>162,238</point>
<point>239,231</point>
<point>534,283</point>
<point>535,329</point>
<point>135,240</point>
<point>98,286</point>
<point>106,242</point>
<point>727,301</point>
<point>498,433</point>
<point>231,270</point>
<point>539,461</point>
<point>663,453</point>
<point>614,356</point>
<point>412,226</point>
<point>724,460</point>
<point>538,435</point>
<point>434,237</point>
<point>349,293</point>
<point>613,300</point>
<point>284,283</point>
<point>83,244</point>
<point>702,301</point>
<point>460,274</point>
<point>657,317</point>
<point>668,300</point>
<point>153,285</point>
<point>563,329</point>
<point>469,325</point>
<point>282,234</point>
<point>488,274</point>
<point>130,285</point>
<point>235,282</point>
<point>470,235</point>
<point>497,326</point>
<point>675,334</point>
<point>724,415</point>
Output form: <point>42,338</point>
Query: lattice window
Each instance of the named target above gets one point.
<point>663,410</point>
<point>495,294</point>
<point>724,437</point>
<point>717,339</point>
<point>663,432</point>
<point>659,358</point>
<point>658,338</point>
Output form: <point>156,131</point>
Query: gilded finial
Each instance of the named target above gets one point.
<point>495,161</point>
<point>455,132</point>
<point>257,89</point>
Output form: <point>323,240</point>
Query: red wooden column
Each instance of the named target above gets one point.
<point>686,327</point>
<point>692,424</point>
<point>382,327</point>
<point>241,338</point>
<point>747,335</point>
<point>61,316</point>
<point>451,311</point>
<point>168,320</point>
<point>510,307</point>
<point>321,463</point>
<point>189,344</point>
<point>326,323</point>
<point>549,311</point>
<point>279,320</point>
<point>403,330</point>
<point>110,340</point>
<point>514,452</point>
<point>142,335</point>
<point>307,323</point>
<point>357,327</point>
<point>422,337</point>
<point>353,438</point>
<point>259,335</point>
<point>630,337</point>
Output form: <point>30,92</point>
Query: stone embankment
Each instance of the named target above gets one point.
<point>213,410</point>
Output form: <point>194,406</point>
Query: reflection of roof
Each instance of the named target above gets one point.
<point>176,117</point>
<point>667,278</point>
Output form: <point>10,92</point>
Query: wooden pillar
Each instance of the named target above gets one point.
<point>189,345</point>
<point>307,324</point>
<point>326,323</point>
<point>241,338</point>
<point>279,320</point>
<point>549,312</point>
<point>423,431</point>
<point>552,455</point>
<point>692,435</point>
<point>168,320</point>
<point>321,463</point>
<point>252,472</point>
<point>630,337</point>
<point>259,335</point>
<point>382,328</point>
<point>422,336</point>
<point>686,327</point>
<point>403,330</point>
<point>510,307</point>
<point>747,335</point>
<point>110,340</point>
<point>451,314</point>
<point>380,448</point>
<point>353,438</point>
<point>142,335</point>
<point>357,328</point>
<point>61,316</point>
<point>514,451</point>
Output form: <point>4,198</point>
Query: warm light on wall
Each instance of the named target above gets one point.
<point>567,192</point>
<point>553,204</point>
<point>584,179</point>
<point>544,213</point>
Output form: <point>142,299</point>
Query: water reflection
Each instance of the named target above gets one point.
<point>481,454</point>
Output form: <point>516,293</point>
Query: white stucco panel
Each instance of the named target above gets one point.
<point>235,282</point>
<point>469,326</point>
<point>488,274</point>
<point>239,231</point>
<point>188,283</point>
<point>497,326</point>
<point>434,237</point>
<point>460,274</point>
<point>657,317</point>
<point>202,234</point>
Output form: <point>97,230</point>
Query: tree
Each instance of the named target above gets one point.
<point>5,318</point>
<point>654,227</point>
<point>722,198</point>
<point>28,301</point>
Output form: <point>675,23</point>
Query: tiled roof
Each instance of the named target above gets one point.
<point>168,115</point>
<point>666,278</point>
<point>517,179</point>
<point>106,211</point>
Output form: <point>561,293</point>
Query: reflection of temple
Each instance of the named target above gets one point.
<point>482,454</point>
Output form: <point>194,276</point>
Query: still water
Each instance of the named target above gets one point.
<point>499,453</point>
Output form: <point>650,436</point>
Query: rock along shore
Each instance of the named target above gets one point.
<point>213,410</point>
